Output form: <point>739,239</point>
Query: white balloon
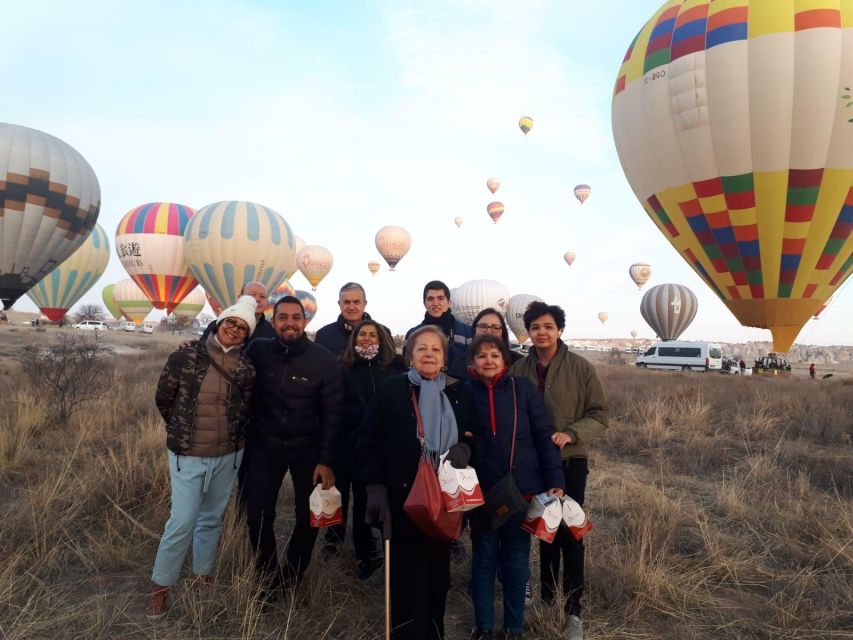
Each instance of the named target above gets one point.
<point>515,313</point>
<point>475,295</point>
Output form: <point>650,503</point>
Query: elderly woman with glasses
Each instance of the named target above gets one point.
<point>203,395</point>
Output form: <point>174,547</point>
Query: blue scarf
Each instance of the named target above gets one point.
<point>440,430</point>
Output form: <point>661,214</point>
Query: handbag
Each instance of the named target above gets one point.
<point>503,499</point>
<point>425,505</point>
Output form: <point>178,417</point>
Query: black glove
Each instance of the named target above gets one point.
<point>377,503</point>
<point>458,455</point>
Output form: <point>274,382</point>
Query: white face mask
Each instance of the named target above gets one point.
<point>368,353</point>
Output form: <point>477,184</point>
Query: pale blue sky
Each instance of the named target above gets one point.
<point>347,116</point>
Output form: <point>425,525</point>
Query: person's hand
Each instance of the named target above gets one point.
<point>323,473</point>
<point>458,455</point>
<point>561,439</point>
<point>556,492</point>
<point>377,503</point>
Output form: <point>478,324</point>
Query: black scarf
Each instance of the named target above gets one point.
<point>443,322</point>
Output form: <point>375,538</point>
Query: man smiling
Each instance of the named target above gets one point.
<point>351,300</point>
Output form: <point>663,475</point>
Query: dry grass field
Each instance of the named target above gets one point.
<point>722,508</point>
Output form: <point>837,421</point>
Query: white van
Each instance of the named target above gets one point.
<point>684,356</point>
<point>148,327</point>
<point>129,325</point>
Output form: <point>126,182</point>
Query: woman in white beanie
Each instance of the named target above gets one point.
<point>203,395</point>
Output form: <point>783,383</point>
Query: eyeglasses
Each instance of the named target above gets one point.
<point>494,328</point>
<point>242,329</point>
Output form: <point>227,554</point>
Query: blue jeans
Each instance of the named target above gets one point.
<point>200,493</point>
<point>509,548</point>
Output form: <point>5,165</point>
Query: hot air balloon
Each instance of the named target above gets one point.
<point>309,303</point>
<point>132,301</point>
<point>299,243</point>
<point>314,262</point>
<point>282,290</point>
<point>192,304</point>
<point>228,244</point>
<point>49,203</point>
<point>458,220</point>
<point>393,243</point>
<point>634,334</point>
<point>525,124</point>
<point>110,303</point>
<point>603,315</point>
<point>640,273</point>
<point>669,309</point>
<point>60,290</point>
<point>569,257</point>
<point>582,192</point>
<point>150,246</point>
<point>373,266</point>
<point>495,211</point>
<point>213,304</point>
<point>733,126</point>
<point>515,313</point>
<point>475,295</point>
<point>822,307</point>
<point>493,184</point>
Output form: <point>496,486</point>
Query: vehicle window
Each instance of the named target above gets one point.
<point>650,352</point>
<point>680,352</point>
<point>713,352</point>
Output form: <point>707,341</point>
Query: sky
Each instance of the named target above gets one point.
<point>348,116</point>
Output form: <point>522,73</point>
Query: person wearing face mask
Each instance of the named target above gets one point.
<point>351,300</point>
<point>294,427</point>
<point>436,299</point>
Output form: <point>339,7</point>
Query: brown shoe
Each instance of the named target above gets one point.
<point>157,606</point>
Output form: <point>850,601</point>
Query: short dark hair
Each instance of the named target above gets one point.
<point>537,309</point>
<point>490,340</point>
<point>492,311</point>
<point>288,300</point>
<point>436,284</point>
<point>386,344</point>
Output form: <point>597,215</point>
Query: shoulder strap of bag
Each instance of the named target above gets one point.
<point>221,370</point>
<point>417,415</point>
<point>514,422</point>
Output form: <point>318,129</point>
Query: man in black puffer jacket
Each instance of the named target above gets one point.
<point>352,300</point>
<point>295,420</point>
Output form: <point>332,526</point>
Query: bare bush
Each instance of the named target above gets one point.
<point>89,312</point>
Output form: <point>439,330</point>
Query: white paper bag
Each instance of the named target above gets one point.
<point>543,517</point>
<point>460,488</point>
<point>325,506</point>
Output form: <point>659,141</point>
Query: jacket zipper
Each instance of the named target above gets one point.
<point>492,409</point>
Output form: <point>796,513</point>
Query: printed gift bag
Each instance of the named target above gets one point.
<point>543,517</point>
<point>460,488</point>
<point>575,518</point>
<point>325,506</point>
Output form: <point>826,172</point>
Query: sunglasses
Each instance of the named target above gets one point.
<point>242,329</point>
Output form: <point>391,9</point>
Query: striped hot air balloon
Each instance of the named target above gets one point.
<point>150,245</point>
<point>603,315</point>
<point>373,266</point>
<point>669,309</point>
<point>213,305</point>
<point>190,306</point>
<point>495,211</point>
<point>282,290</point>
<point>110,303</point>
<point>640,273</point>
<point>132,301</point>
<point>309,303</point>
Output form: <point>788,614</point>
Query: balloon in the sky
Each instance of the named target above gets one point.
<point>282,290</point>
<point>314,262</point>
<point>634,333</point>
<point>393,243</point>
<point>110,303</point>
<point>60,289</point>
<point>132,301</point>
<point>475,295</point>
<point>150,246</point>
<point>640,273</point>
<point>495,211</point>
<point>582,192</point>
<point>822,307</point>
<point>569,257</point>
<point>735,130</point>
<point>525,124</point>
<point>190,306</point>
<point>299,243</point>
<point>49,203</point>
<point>228,244</point>
<point>493,184</point>
<point>373,266</point>
<point>213,304</point>
<point>669,309</point>
<point>458,220</point>
<point>515,313</point>
<point>309,303</point>
<point>603,315</point>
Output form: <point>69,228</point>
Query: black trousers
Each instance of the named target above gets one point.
<point>420,580</point>
<point>263,481</point>
<point>362,534</point>
<point>565,547</point>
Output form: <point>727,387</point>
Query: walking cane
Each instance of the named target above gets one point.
<point>386,537</point>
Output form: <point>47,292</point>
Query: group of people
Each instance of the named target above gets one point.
<point>252,400</point>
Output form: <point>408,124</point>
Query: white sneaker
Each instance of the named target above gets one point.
<point>528,595</point>
<point>574,628</point>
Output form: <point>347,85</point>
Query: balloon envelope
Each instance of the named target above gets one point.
<point>669,309</point>
<point>493,184</point>
<point>458,220</point>
<point>495,211</point>
<point>569,257</point>
<point>110,303</point>
<point>49,203</point>
<point>475,295</point>
<point>213,304</point>
<point>192,304</point>
<point>373,267</point>
<point>640,273</point>
<point>582,192</point>
<point>314,262</point>
<point>393,243</point>
<point>603,315</point>
<point>525,124</point>
<point>132,301</point>
<point>634,334</point>
<point>282,290</point>
<point>515,314</point>
<point>733,126</point>
<point>309,303</point>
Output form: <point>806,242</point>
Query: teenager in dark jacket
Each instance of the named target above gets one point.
<point>436,299</point>
<point>488,322</point>
<point>388,455</point>
<point>504,404</point>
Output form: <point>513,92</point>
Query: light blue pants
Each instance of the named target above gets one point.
<point>200,493</point>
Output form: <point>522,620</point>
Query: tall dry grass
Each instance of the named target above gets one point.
<point>722,509</point>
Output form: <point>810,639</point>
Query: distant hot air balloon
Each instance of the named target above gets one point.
<point>640,273</point>
<point>515,314</point>
<point>475,295</point>
<point>393,243</point>
<point>299,243</point>
<point>458,220</point>
<point>493,184</point>
<point>822,307</point>
<point>150,246</point>
<point>213,304</point>
<point>49,203</point>
<point>60,290</point>
<point>192,304</point>
<point>669,309</point>
<point>734,128</point>
<point>110,303</point>
<point>309,303</point>
<point>525,124</point>
<point>582,192</point>
<point>634,334</point>
<point>603,315</point>
<point>495,211</point>
<point>314,262</point>
<point>282,290</point>
<point>373,266</point>
<point>228,244</point>
<point>132,301</point>
<point>569,257</point>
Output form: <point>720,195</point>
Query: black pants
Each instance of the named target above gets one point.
<point>565,547</point>
<point>420,580</point>
<point>263,480</point>
<point>362,534</point>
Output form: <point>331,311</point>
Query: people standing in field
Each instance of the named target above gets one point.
<point>389,452</point>
<point>352,301</point>
<point>436,299</point>
<point>294,427</point>
<point>575,399</point>
<point>512,432</point>
<point>203,395</point>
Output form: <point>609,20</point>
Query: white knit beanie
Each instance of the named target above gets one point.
<point>244,309</point>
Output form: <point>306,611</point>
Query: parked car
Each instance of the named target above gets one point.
<point>128,325</point>
<point>686,356</point>
<point>91,325</point>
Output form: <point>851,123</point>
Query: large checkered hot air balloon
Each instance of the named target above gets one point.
<point>49,203</point>
<point>734,124</point>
